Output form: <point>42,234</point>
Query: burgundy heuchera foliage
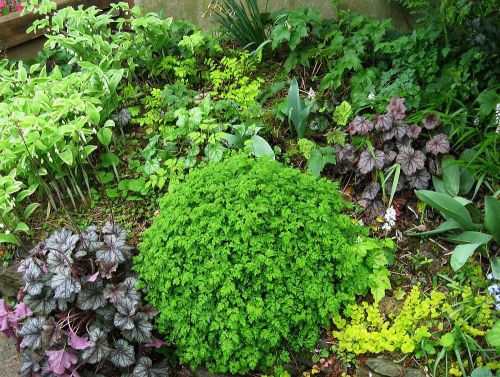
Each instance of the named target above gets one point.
<point>391,141</point>
<point>79,311</point>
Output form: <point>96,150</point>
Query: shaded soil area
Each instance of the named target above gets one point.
<point>10,360</point>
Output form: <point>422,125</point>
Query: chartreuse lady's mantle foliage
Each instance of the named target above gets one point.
<point>249,260</point>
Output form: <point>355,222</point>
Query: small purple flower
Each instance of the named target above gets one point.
<point>162,113</point>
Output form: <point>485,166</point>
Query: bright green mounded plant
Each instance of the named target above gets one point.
<point>465,225</point>
<point>249,259</point>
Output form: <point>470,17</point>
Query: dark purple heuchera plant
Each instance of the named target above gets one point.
<point>391,141</point>
<point>79,312</point>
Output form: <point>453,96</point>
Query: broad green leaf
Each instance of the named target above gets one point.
<point>461,254</point>
<point>295,109</point>
<point>493,336</point>
<point>261,147</point>
<point>469,237</point>
<point>492,216</point>
<point>448,206</point>
<point>447,340</point>
<point>136,185</point>
<point>471,207</point>
<point>481,372</point>
<point>104,135</point>
<point>443,227</point>
<point>30,209</point>
<point>66,156</point>
<point>214,152</point>
<point>8,238</point>
<point>438,185</point>
<point>467,179</point>
<point>22,227</point>
<point>451,175</point>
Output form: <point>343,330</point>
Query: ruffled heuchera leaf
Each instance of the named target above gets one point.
<point>141,331</point>
<point>64,286</point>
<point>438,144</point>
<point>431,121</point>
<point>90,242</point>
<point>130,284</point>
<point>22,310</point>
<point>33,272</point>
<point>144,368</point>
<point>389,157</point>
<point>419,180</point>
<point>367,162</point>
<point>399,186</point>
<point>98,348</point>
<point>122,354</point>
<point>78,342</point>
<point>52,333</point>
<point>59,262</point>
<point>384,122</point>
<point>60,360</point>
<point>106,315</point>
<point>91,296</point>
<point>345,154</point>
<point>400,130</point>
<point>413,131</point>
<point>62,240</point>
<point>372,208</point>
<point>410,160</point>
<point>107,270</point>
<point>122,118</point>
<point>114,251</point>
<point>371,191</point>
<point>42,303</point>
<point>32,333</point>
<point>115,230</point>
<point>115,292</point>
<point>397,108</point>
<point>126,309</point>
<point>30,364</point>
<point>360,125</point>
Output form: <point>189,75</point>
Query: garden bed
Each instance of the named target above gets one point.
<point>13,26</point>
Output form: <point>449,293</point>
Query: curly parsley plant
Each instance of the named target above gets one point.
<point>249,259</point>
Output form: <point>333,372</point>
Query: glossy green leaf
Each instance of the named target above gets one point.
<point>469,237</point>
<point>451,175</point>
<point>28,211</point>
<point>495,267</point>
<point>448,206</point>
<point>446,226</point>
<point>104,135</point>
<point>261,147</point>
<point>8,238</point>
<point>492,216</point>
<point>461,253</point>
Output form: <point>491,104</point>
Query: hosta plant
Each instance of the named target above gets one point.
<point>79,312</point>
<point>249,259</point>
<point>387,154</point>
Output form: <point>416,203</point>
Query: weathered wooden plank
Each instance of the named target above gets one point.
<point>13,26</point>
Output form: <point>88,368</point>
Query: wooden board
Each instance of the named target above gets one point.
<point>13,26</point>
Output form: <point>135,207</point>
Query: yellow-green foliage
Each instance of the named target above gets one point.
<point>422,317</point>
<point>230,78</point>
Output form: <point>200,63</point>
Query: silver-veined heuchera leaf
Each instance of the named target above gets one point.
<point>438,144</point>
<point>31,332</point>
<point>62,240</point>
<point>410,160</point>
<point>419,180</point>
<point>59,262</point>
<point>371,191</point>
<point>122,118</point>
<point>33,283</point>
<point>64,286</point>
<point>90,242</point>
<point>413,131</point>
<point>98,348</point>
<point>360,125</point>
<point>115,250</point>
<point>142,329</point>
<point>91,296</point>
<point>384,122</point>
<point>397,108</point>
<point>60,360</point>
<point>122,354</point>
<point>126,308</point>
<point>42,303</point>
<point>144,368</point>
<point>367,162</point>
<point>400,130</point>
<point>115,230</point>
<point>373,208</point>
<point>30,364</point>
<point>431,121</point>
<point>389,157</point>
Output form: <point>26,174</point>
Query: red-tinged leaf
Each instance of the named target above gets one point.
<point>410,160</point>
<point>413,131</point>
<point>438,144</point>
<point>78,342</point>
<point>60,360</point>
<point>360,125</point>
<point>397,108</point>
<point>431,121</point>
<point>94,277</point>
<point>155,343</point>
<point>22,311</point>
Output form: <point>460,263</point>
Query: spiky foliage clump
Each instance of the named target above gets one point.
<point>249,259</point>
<point>79,310</point>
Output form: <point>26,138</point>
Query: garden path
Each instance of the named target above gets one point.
<point>10,360</point>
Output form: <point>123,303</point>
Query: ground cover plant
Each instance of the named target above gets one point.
<point>248,257</point>
<point>240,132</point>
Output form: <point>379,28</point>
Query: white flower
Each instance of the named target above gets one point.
<point>489,276</point>
<point>311,93</point>
<point>371,96</point>
<point>387,227</point>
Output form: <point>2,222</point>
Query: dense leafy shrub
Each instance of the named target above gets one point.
<point>79,310</point>
<point>249,259</point>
